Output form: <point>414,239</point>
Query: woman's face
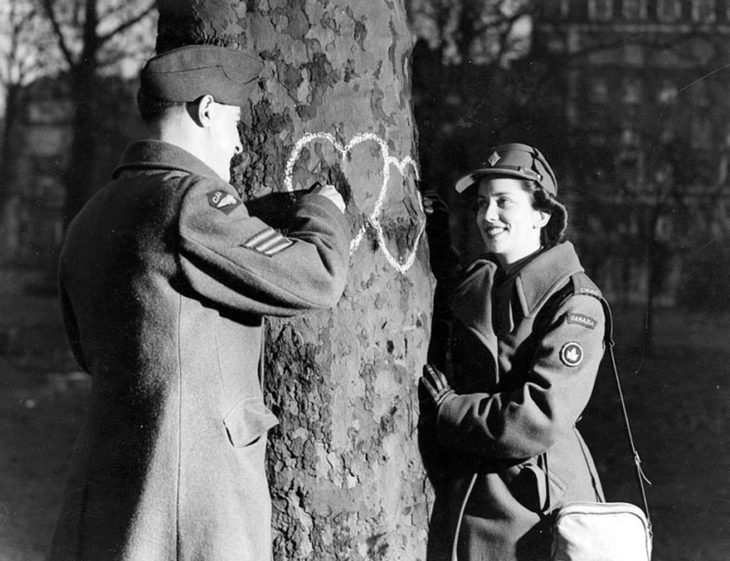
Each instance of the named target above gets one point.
<point>509,224</point>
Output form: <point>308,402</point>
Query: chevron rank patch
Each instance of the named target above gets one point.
<point>580,319</point>
<point>269,242</point>
<point>225,202</point>
<point>571,354</point>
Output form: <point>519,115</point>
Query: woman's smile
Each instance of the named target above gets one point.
<point>507,219</point>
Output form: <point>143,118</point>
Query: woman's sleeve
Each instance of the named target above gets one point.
<point>526,422</point>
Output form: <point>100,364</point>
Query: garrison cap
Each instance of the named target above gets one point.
<point>188,73</point>
<point>513,160</point>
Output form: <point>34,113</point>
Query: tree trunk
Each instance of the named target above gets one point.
<point>79,177</point>
<point>79,172</point>
<point>10,144</point>
<point>346,475</point>
<point>9,157</point>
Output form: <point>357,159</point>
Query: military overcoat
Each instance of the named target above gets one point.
<point>164,278</point>
<point>526,346</point>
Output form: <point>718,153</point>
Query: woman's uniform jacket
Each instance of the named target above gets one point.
<point>164,278</point>
<point>525,352</point>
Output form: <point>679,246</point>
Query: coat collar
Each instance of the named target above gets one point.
<point>542,276</point>
<point>157,154</point>
<point>471,300</point>
<point>478,301</point>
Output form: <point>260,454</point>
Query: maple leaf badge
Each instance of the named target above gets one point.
<point>571,354</point>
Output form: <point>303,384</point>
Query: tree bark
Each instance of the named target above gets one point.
<point>346,475</point>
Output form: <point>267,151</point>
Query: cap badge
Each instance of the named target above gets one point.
<point>493,159</point>
<point>571,354</point>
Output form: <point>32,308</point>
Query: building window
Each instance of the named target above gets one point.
<point>667,133</point>
<point>703,10</point>
<point>629,136</point>
<point>667,93</point>
<point>596,139</point>
<point>598,92</point>
<point>600,10</point>
<point>633,54</point>
<point>668,10</point>
<point>631,91</point>
<point>700,94</point>
<point>701,137</point>
<point>634,9</point>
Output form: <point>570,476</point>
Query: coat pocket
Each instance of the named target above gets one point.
<point>248,421</point>
<point>534,489</point>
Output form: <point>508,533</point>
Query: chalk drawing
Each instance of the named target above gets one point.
<point>374,218</point>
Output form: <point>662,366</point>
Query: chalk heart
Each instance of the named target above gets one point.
<point>388,163</point>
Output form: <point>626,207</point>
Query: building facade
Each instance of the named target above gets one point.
<point>31,218</point>
<point>648,116</point>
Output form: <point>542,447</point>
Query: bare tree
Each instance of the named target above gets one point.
<point>92,36</point>
<point>26,52</point>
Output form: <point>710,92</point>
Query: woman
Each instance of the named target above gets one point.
<point>526,343</point>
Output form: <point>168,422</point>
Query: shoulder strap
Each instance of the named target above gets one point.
<point>640,476</point>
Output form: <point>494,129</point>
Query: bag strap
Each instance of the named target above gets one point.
<point>610,344</point>
<point>640,476</point>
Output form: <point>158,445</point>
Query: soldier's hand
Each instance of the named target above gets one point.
<point>332,194</point>
<point>436,384</point>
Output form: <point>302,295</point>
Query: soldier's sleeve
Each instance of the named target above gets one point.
<point>529,420</point>
<point>239,261</point>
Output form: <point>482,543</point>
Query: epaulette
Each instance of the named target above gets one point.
<point>582,284</point>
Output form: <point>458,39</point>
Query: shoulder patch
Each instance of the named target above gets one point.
<point>571,354</point>
<point>580,319</point>
<point>268,241</point>
<point>223,201</point>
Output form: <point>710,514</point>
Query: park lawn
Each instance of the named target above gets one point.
<point>679,402</point>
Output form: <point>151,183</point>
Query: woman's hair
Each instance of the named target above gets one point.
<point>554,230</point>
<point>152,108</point>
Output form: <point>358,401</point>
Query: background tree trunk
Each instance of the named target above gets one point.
<point>79,173</point>
<point>347,479</point>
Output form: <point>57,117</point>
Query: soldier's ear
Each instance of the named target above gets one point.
<point>201,111</point>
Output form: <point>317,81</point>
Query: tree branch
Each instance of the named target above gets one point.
<point>127,24</point>
<point>51,13</point>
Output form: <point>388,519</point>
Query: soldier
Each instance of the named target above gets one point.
<point>164,279</point>
<point>526,343</point>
